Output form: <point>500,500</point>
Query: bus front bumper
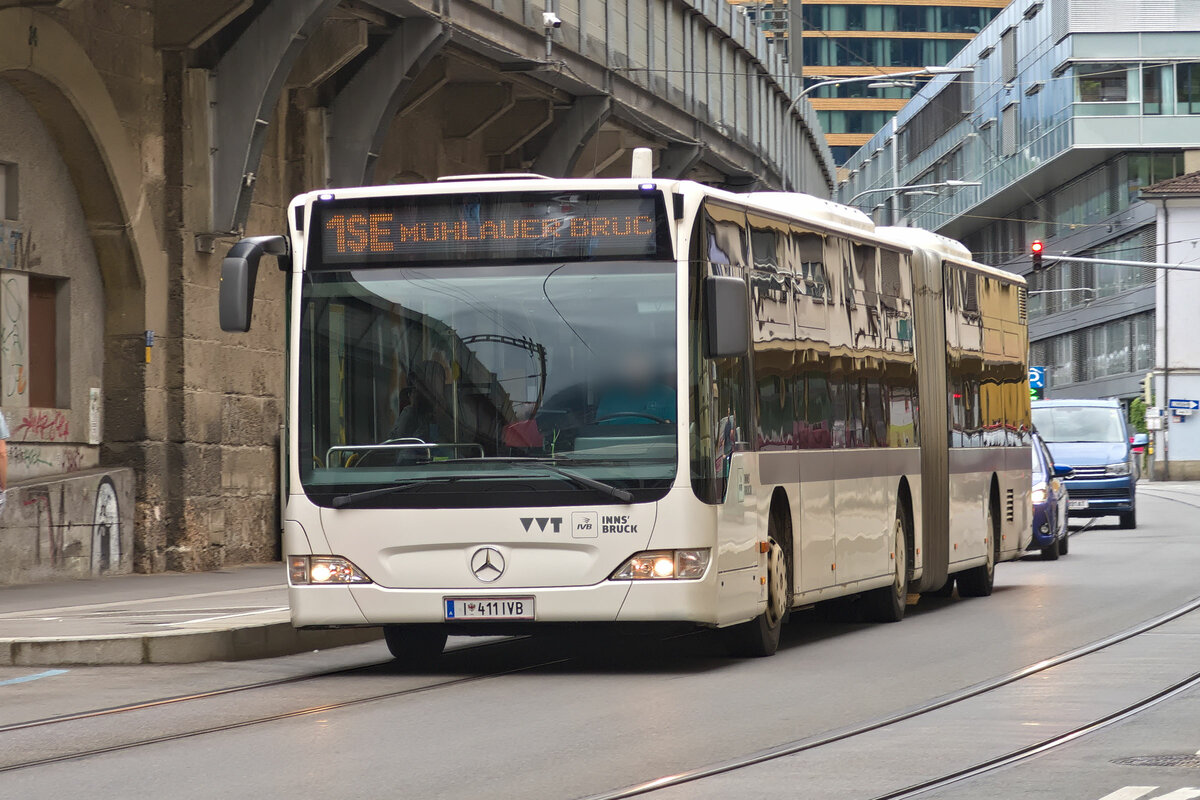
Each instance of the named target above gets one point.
<point>607,602</point>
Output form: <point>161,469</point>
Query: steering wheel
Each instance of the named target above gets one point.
<point>640,414</point>
<point>361,459</point>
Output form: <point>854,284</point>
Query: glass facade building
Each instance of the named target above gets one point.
<point>867,37</point>
<point>846,39</point>
<point>1072,107</point>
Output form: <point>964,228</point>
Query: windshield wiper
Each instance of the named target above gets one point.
<point>343,500</point>
<point>582,481</point>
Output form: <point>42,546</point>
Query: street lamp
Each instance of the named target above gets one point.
<point>887,77</point>
<point>912,186</point>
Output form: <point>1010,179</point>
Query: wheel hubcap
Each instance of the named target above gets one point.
<point>901,559</point>
<point>991,544</point>
<point>777,588</point>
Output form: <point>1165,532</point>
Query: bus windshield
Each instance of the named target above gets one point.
<point>466,383</point>
<point>1079,423</point>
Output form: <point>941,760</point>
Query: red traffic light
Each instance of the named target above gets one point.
<point>1037,246</point>
<point>1036,249</point>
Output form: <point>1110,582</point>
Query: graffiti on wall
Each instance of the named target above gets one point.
<point>106,528</point>
<point>14,327</point>
<point>18,249</point>
<point>72,459</point>
<point>28,457</point>
<point>72,530</point>
<point>41,425</point>
<point>48,536</point>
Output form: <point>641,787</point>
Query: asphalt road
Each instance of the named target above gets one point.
<point>539,719</point>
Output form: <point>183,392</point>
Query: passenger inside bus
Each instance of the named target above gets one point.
<point>638,396</point>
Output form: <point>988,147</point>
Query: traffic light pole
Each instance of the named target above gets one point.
<point>1119,263</point>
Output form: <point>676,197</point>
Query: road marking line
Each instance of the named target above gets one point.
<point>223,616</point>
<point>47,674</point>
<point>1186,793</point>
<point>1129,793</point>
<point>160,599</point>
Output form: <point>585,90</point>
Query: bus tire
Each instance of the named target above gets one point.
<point>978,581</point>
<point>760,636</point>
<point>415,644</point>
<point>887,604</point>
<point>946,590</point>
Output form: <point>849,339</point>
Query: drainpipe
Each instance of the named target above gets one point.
<point>1166,275</point>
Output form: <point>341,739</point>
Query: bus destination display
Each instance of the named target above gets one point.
<point>492,227</point>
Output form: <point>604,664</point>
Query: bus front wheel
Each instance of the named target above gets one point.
<point>760,636</point>
<point>415,644</point>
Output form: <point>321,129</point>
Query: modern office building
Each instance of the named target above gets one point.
<point>849,38</point>
<point>1072,108</point>
<point>845,39</point>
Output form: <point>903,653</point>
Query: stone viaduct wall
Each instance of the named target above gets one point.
<point>140,138</point>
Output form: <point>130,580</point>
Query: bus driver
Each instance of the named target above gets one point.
<point>637,397</point>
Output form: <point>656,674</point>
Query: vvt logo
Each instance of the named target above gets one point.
<point>554,522</point>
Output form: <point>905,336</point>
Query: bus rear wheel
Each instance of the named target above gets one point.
<point>760,636</point>
<point>978,581</point>
<point>887,604</point>
<point>415,644</point>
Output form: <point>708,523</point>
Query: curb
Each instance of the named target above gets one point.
<point>232,644</point>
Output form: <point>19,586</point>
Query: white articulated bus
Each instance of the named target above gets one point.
<point>515,401</point>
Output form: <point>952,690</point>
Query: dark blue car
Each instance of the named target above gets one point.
<point>1091,437</point>
<point>1049,503</point>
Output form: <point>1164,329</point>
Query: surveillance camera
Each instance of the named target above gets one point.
<point>551,20</point>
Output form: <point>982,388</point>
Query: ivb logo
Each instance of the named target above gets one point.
<point>554,523</point>
<point>585,525</point>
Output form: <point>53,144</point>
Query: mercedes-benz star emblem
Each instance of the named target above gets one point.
<point>487,564</point>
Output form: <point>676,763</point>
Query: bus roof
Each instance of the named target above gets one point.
<point>817,211</point>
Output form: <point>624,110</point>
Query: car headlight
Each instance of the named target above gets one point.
<point>660,565</point>
<point>1039,493</point>
<point>1117,469</point>
<point>323,571</point>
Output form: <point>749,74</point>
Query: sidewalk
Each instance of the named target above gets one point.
<point>174,618</point>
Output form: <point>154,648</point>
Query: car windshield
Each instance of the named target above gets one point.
<point>1079,423</point>
<point>462,376</point>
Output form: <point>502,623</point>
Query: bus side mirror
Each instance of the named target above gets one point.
<point>239,271</point>
<point>726,317</point>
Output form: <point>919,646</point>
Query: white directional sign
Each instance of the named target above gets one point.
<point>1141,792</point>
<point>1190,405</point>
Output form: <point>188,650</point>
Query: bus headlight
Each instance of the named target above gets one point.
<point>1117,469</point>
<point>323,570</point>
<point>657,565</point>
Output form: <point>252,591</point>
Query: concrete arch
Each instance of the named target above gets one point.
<point>44,62</point>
